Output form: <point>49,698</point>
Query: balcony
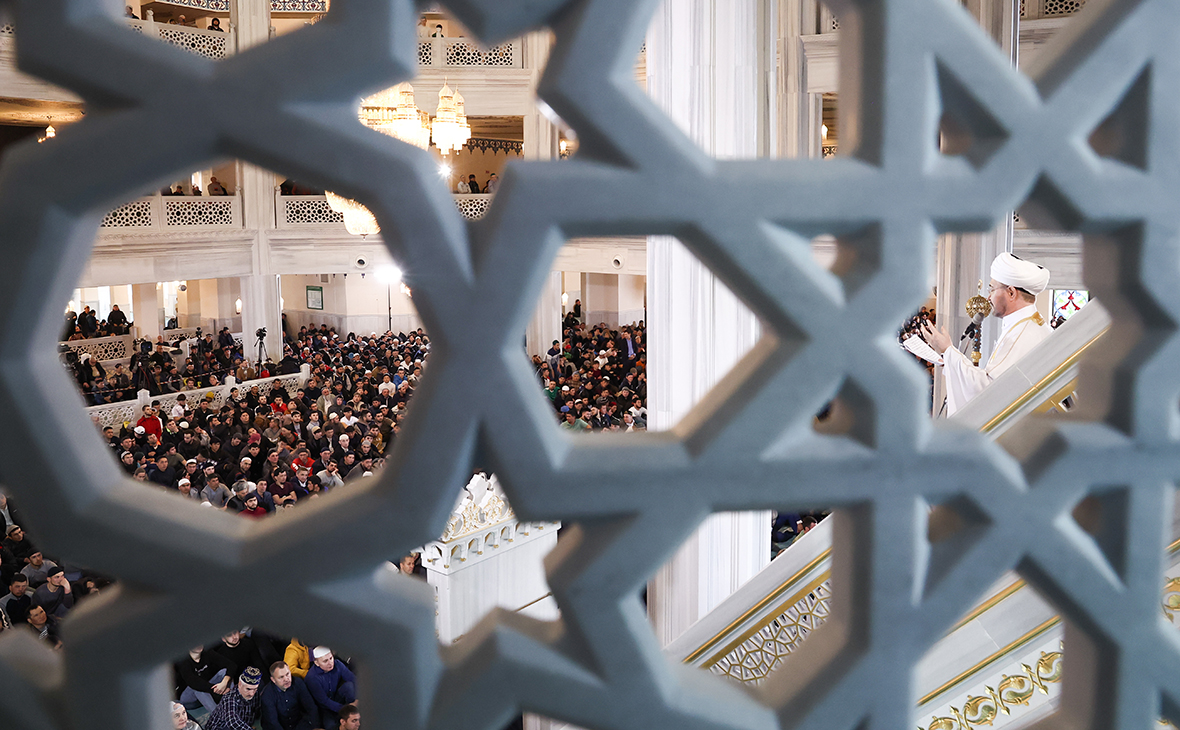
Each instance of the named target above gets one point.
<point>174,212</point>
<point>299,211</point>
<point>463,52</point>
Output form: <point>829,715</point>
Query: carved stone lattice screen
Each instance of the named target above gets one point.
<point>460,53</point>
<point>310,211</point>
<point>210,44</point>
<point>198,212</point>
<point>188,575</point>
<point>136,214</point>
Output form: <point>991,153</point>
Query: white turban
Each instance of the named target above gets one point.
<point>1012,271</point>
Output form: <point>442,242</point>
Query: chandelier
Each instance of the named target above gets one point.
<point>390,112</point>
<point>393,112</point>
<point>450,130</point>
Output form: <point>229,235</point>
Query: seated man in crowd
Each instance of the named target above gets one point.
<point>238,709</point>
<point>56,595</point>
<point>15,604</point>
<point>37,571</point>
<point>201,676</point>
<point>43,625</point>
<point>350,718</point>
<point>331,684</point>
<point>286,703</point>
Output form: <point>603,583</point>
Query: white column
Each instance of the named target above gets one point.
<point>545,326</point>
<point>260,308</point>
<point>147,305</point>
<point>702,69</point>
<point>965,259</point>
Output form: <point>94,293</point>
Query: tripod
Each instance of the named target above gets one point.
<point>261,347</point>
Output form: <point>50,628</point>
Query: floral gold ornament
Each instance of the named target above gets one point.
<point>1011,691</point>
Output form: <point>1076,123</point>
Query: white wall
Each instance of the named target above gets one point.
<point>351,304</point>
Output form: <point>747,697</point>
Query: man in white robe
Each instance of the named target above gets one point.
<point>1014,286</point>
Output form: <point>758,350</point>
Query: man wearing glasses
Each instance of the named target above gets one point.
<point>1015,284</point>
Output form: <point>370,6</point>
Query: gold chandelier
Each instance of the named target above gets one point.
<point>390,112</point>
<point>393,112</point>
<point>450,130</point>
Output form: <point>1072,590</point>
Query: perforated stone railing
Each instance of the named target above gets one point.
<point>172,212</point>
<point>207,43</point>
<point>116,414</point>
<point>104,348</point>
<point>466,52</point>
<point>294,211</point>
<point>629,504</point>
<point>215,6</point>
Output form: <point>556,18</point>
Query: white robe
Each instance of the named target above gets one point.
<point>1019,334</point>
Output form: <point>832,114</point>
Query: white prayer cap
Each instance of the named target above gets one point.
<point>1012,271</point>
<point>320,652</point>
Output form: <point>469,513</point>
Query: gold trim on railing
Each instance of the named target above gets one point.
<point>1041,385</point>
<point>782,588</point>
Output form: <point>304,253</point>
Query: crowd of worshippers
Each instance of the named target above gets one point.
<point>262,452</point>
<point>155,368</point>
<point>246,679</point>
<point>597,377</point>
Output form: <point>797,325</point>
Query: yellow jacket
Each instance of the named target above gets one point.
<point>298,658</point>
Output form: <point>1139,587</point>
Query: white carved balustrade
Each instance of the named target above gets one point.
<point>117,414</point>
<point>464,52</point>
<point>297,211</point>
<point>173,212</point>
<point>487,559</point>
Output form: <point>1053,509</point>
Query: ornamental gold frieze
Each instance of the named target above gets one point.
<point>1011,692</point>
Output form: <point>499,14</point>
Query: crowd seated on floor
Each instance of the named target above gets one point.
<point>597,377</point>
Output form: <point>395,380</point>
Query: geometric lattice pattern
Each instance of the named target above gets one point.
<point>1062,7</point>
<point>188,575</point>
<point>298,6</point>
<point>203,43</point>
<point>199,212</point>
<point>473,208</point>
<point>313,211</point>
<point>425,53</point>
<point>103,349</point>
<point>460,53</point>
<point>136,214</point>
<point>755,658</point>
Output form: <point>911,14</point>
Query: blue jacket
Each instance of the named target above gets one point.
<point>288,710</point>
<point>323,685</point>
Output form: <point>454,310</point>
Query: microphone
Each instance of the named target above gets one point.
<point>971,328</point>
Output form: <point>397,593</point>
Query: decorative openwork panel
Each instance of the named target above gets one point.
<point>7,29</point>
<point>116,414</point>
<point>198,212</point>
<point>754,659</point>
<point>310,211</point>
<point>462,53</point>
<point>473,207</point>
<point>136,214</point>
<point>298,6</point>
<point>216,6</point>
<point>103,348</point>
<point>210,44</point>
<point>425,53</point>
<point>1062,7</point>
<point>628,503</point>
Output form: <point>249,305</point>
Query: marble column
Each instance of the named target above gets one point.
<point>545,326</point>
<point>147,305</point>
<point>260,308</point>
<point>964,259</point>
<point>703,69</point>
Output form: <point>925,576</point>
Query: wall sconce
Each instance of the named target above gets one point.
<point>238,306</point>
